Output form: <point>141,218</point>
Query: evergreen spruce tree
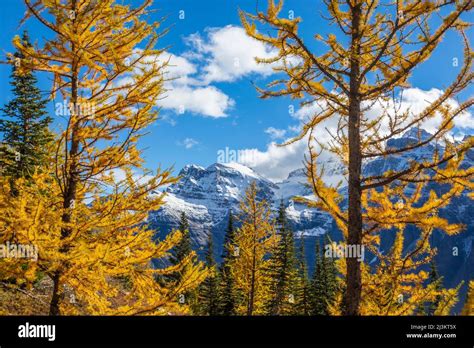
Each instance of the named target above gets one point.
<point>208,290</point>
<point>179,254</point>
<point>24,124</point>
<point>282,269</point>
<point>227,297</point>
<point>303,286</point>
<point>324,282</point>
<point>331,281</point>
<point>183,248</point>
<point>317,285</point>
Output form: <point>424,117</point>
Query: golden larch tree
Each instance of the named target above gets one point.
<point>398,285</point>
<point>468,308</point>
<point>366,64</point>
<point>108,77</point>
<point>253,242</point>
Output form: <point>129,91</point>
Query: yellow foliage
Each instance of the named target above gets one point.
<point>253,242</point>
<point>367,64</point>
<point>468,308</point>
<point>88,214</point>
<point>397,285</point>
<point>109,252</point>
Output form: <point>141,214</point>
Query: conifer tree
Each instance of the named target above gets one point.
<point>254,240</point>
<point>317,286</point>
<point>109,88</point>
<point>398,285</point>
<point>25,124</point>
<point>181,252</point>
<point>208,290</point>
<point>227,294</point>
<point>282,268</point>
<point>183,249</point>
<point>303,285</point>
<point>324,283</point>
<point>435,278</point>
<point>367,63</point>
<point>468,308</point>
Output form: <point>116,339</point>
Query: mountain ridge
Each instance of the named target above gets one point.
<point>207,195</point>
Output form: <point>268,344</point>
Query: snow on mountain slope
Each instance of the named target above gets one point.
<point>207,195</point>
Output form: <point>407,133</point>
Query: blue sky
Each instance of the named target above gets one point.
<point>217,107</point>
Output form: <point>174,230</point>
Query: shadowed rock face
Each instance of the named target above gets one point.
<point>207,195</point>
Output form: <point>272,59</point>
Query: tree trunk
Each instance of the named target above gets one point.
<point>252,284</point>
<point>254,260</point>
<point>72,175</point>
<point>54,304</point>
<point>353,277</point>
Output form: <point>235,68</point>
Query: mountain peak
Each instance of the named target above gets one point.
<point>410,137</point>
<point>417,133</point>
<point>192,166</point>
<point>300,172</point>
<point>236,167</point>
<point>191,170</point>
<point>220,183</point>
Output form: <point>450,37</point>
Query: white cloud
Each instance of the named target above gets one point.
<point>294,129</point>
<point>120,175</point>
<point>188,143</point>
<point>275,133</point>
<point>414,101</point>
<point>222,54</point>
<point>207,101</point>
<point>179,67</point>
<point>229,54</point>
<point>183,95</point>
<point>276,162</point>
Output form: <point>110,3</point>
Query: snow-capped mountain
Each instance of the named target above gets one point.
<point>454,259</point>
<point>206,195</point>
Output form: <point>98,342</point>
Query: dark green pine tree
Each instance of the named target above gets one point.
<point>434,278</point>
<point>179,253</point>
<point>227,295</point>
<point>303,285</point>
<point>324,282</point>
<point>208,291</point>
<point>318,302</point>
<point>24,125</point>
<point>183,248</point>
<point>282,269</point>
